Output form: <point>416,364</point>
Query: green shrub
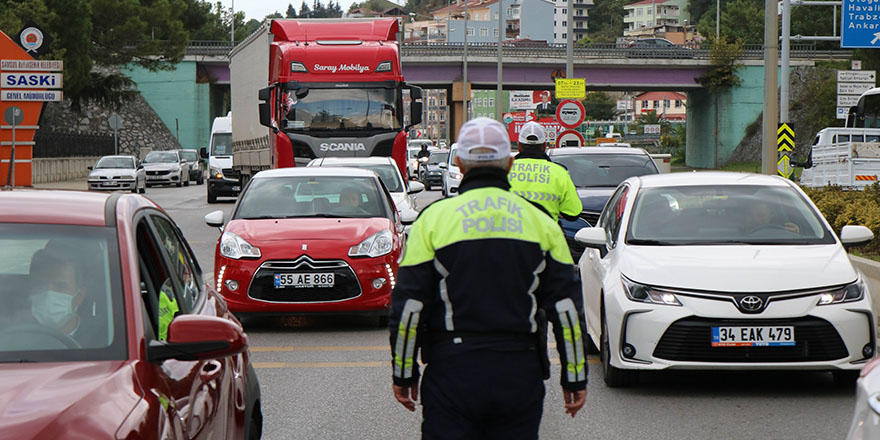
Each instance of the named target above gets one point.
<point>851,207</point>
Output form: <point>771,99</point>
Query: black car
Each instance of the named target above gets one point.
<point>657,48</point>
<point>596,172</point>
<point>196,167</point>
<point>431,172</point>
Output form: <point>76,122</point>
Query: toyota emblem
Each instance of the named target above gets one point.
<point>751,303</point>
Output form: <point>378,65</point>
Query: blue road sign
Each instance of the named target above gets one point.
<point>860,24</point>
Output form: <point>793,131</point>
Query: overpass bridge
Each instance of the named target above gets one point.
<point>608,67</point>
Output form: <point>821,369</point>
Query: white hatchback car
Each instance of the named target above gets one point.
<point>722,271</point>
<point>866,417</point>
<point>401,190</point>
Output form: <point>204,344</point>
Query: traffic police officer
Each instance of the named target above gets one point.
<point>544,183</point>
<point>481,274</point>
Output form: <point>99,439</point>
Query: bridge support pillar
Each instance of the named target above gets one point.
<point>458,108</point>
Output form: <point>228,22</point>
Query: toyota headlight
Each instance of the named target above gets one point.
<point>851,292</point>
<point>647,294</point>
<point>235,247</point>
<point>375,245</point>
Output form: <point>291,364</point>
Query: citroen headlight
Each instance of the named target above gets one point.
<point>455,176</point>
<point>215,172</point>
<point>375,245</point>
<point>235,247</point>
<point>852,292</point>
<point>646,294</point>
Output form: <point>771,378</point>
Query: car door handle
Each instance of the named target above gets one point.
<point>211,369</point>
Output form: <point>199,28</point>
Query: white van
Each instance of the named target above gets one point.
<point>222,182</point>
<point>848,157</point>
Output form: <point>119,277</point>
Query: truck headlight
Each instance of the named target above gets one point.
<point>235,247</point>
<point>646,294</point>
<point>851,292</point>
<point>375,245</point>
<point>215,172</point>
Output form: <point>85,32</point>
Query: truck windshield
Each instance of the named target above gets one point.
<point>221,144</point>
<point>341,109</point>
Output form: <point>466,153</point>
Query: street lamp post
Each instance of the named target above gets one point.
<point>465,92</point>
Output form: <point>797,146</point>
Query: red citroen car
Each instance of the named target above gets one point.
<point>309,240</point>
<point>108,330</point>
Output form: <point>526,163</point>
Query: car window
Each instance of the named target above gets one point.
<point>605,170</point>
<point>438,157</point>
<point>62,294</point>
<point>388,173</point>
<point>181,259</point>
<point>115,162</point>
<point>160,289</point>
<point>311,196</point>
<point>161,157</point>
<point>725,214</point>
<point>190,155</point>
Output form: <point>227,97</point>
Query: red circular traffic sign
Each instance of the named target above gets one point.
<point>570,113</point>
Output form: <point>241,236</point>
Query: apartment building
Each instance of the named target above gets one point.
<point>482,20</point>
<point>650,14</point>
<point>560,20</point>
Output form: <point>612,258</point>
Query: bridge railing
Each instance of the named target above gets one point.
<point>542,50</point>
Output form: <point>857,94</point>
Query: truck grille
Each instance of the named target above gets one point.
<point>690,339</point>
<point>346,285</point>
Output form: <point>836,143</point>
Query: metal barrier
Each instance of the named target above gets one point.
<point>58,144</point>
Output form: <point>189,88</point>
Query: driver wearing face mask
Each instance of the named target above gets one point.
<point>57,292</point>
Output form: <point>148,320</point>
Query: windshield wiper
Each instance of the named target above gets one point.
<point>645,242</point>
<point>261,217</point>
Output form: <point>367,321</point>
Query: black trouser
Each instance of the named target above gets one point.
<point>483,395</point>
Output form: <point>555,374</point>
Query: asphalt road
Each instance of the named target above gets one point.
<point>331,378</point>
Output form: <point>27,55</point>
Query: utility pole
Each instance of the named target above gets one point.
<point>771,98</point>
<point>232,34</point>
<point>500,92</point>
<point>466,90</point>
<point>717,19</point>
<point>569,41</point>
<point>786,57</point>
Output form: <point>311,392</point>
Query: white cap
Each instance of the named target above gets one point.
<point>483,139</point>
<point>532,133</point>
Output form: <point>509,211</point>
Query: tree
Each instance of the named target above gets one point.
<point>304,10</point>
<point>606,20</point>
<point>291,11</point>
<point>600,106</point>
<point>721,76</point>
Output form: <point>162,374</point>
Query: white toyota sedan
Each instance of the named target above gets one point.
<point>722,271</point>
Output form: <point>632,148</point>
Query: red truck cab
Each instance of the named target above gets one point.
<point>336,89</point>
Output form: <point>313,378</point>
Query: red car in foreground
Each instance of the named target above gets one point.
<point>108,330</point>
<point>309,240</point>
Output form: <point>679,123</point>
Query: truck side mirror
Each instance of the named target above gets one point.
<point>415,109</point>
<point>203,152</point>
<point>265,96</point>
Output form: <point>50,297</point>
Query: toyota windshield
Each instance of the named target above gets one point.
<point>341,109</point>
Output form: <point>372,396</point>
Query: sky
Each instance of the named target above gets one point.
<point>260,8</point>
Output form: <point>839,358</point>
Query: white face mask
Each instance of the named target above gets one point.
<point>52,308</point>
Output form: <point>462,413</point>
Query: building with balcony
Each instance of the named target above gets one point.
<point>647,15</point>
<point>560,20</point>
<point>482,20</point>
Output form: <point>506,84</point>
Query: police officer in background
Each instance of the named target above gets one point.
<point>544,183</point>
<point>481,274</point>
